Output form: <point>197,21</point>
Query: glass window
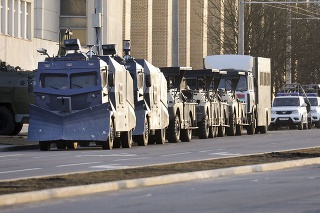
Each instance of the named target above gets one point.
<point>242,85</point>
<point>54,81</point>
<point>83,80</point>
<point>313,101</point>
<point>286,102</point>
<point>73,8</point>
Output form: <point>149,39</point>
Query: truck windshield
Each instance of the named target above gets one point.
<point>83,80</point>
<point>61,81</point>
<point>286,102</point>
<point>242,85</point>
<point>54,80</point>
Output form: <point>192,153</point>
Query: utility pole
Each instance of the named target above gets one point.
<point>289,48</point>
<point>97,25</point>
<point>175,33</point>
<point>241,27</point>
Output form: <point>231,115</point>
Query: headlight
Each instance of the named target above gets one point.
<point>295,111</point>
<point>314,111</point>
<point>273,112</point>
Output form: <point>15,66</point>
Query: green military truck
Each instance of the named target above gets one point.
<point>15,98</point>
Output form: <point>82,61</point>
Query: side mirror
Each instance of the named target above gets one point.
<point>110,80</point>
<point>31,83</point>
<point>148,80</point>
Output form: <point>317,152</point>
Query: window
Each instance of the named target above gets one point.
<point>83,80</point>
<point>73,15</point>
<point>54,81</point>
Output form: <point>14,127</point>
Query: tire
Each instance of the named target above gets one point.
<point>300,125</point>
<point>238,130</point>
<point>252,127</point>
<point>126,139</point>
<point>186,134</point>
<point>203,131</point>
<point>72,145</point>
<point>143,139</point>
<point>221,131</point>
<point>173,131</point>
<point>61,145</point>
<point>116,143</point>
<point>318,124</point>
<point>17,129</point>
<point>7,122</point>
<point>108,145</point>
<point>160,136</point>
<point>264,129</point>
<point>44,145</point>
<point>231,131</point>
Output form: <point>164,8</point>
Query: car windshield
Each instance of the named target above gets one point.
<point>54,80</point>
<point>83,80</point>
<point>226,84</point>
<point>286,102</point>
<point>313,101</point>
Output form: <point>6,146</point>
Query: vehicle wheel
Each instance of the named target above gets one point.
<point>309,124</point>
<point>238,130</point>
<point>44,145</point>
<point>186,134</point>
<point>126,139</point>
<point>85,144</point>
<point>300,125</point>
<point>173,131</point>
<point>318,124</point>
<point>143,139</point>
<point>17,129</point>
<point>116,143</point>
<point>108,145</point>
<point>160,136</point>
<point>231,131</point>
<point>252,126</point>
<point>61,145</point>
<point>72,145</point>
<point>203,131</point>
<point>7,122</point>
<point>264,129</point>
<point>221,131</point>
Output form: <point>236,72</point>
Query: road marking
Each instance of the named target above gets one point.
<point>129,159</point>
<point>181,153</point>
<point>111,166</point>
<point>111,155</point>
<point>22,170</point>
<point>209,150</point>
<point>77,164</point>
<point>225,154</point>
<point>4,156</point>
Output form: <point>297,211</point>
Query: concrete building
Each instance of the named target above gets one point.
<point>27,25</point>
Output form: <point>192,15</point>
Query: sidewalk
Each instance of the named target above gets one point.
<point>17,143</point>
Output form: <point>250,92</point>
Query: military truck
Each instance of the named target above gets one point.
<point>250,79</point>
<point>212,113</point>
<point>150,98</point>
<point>15,98</point>
<point>182,108</point>
<point>80,98</point>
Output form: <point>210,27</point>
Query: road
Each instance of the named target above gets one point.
<point>295,190</point>
<point>23,164</point>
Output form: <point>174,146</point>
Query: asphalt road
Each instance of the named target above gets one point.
<point>294,190</point>
<point>23,164</point>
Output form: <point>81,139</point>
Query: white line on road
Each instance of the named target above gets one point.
<point>111,155</point>
<point>181,153</point>
<point>225,154</point>
<point>4,156</point>
<point>49,156</point>
<point>22,170</point>
<point>77,164</point>
<point>129,159</point>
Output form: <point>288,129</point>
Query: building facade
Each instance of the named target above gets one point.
<point>27,25</point>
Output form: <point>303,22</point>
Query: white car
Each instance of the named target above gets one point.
<point>315,109</point>
<point>289,111</point>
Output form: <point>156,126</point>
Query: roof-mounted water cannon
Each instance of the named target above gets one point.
<point>127,49</point>
<point>43,52</point>
<point>109,49</point>
<point>72,44</point>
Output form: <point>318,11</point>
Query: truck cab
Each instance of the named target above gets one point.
<point>289,109</point>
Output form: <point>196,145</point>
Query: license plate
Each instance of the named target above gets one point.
<point>283,119</point>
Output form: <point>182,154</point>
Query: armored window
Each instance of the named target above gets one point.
<point>83,80</point>
<point>242,85</point>
<point>54,81</point>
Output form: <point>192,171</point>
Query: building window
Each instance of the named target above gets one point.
<point>73,14</point>
<point>15,18</point>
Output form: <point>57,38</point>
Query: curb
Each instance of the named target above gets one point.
<point>42,195</point>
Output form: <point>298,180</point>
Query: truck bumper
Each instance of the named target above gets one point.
<point>91,124</point>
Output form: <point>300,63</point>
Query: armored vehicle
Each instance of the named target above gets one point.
<point>182,108</point>
<point>211,111</point>
<point>15,98</point>
<point>150,98</point>
<point>82,99</point>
